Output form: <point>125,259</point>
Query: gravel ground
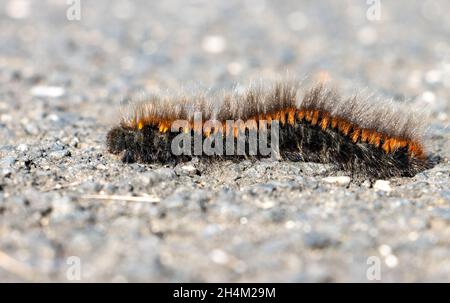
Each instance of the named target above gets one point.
<point>61,83</point>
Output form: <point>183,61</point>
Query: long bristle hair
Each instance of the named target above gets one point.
<point>364,135</point>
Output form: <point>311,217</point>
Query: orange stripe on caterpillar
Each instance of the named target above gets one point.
<point>288,116</point>
<point>291,116</point>
<point>325,121</point>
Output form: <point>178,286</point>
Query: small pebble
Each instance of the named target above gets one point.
<point>391,261</point>
<point>319,240</point>
<point>22,147</point>
<point>57,155</point>
<point>214,44</point>
<point>341,180</point>
<point>219,256</point>
<point>189,170</point>
<point>382,185</point>
<point>48,91</point>
<point>31,129</point>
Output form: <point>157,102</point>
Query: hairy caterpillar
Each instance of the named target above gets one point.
<point>371,139</point>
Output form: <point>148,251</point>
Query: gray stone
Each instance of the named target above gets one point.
<point>58,155</point>
<point>319,240</point>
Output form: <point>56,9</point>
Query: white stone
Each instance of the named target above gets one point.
<point>429,97</point>
<point>391,261</point>
<point>341,180</point>
<point>214,44</point>
<point>382,185</point>
<point>48,91</point>
<point>290,224</point>
<point>189,168</point>
<point>101,167</point>
<point>219,256</point>
<point>384,250</point>
<point>22,147</point>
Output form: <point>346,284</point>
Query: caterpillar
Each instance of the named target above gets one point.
<point>366,137</point>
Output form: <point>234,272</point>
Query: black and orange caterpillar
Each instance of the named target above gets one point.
<point>372,139</point>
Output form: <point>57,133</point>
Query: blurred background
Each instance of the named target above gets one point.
<point>65,66</point>
<point>398,47</point>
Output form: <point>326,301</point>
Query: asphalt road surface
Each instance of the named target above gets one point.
<point>70,211</point>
